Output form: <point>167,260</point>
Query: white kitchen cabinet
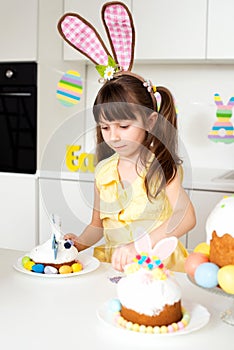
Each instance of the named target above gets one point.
<point>91,11</point>
<point>220,29</point>
<point>204,202</point>
<point>18,28</point>
<point>18,208</point>
<point>71,200</point>
<point>168,29</point>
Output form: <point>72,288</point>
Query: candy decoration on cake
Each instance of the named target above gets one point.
<point>55,256</point>
<point>70,88</point>
<point>149,297</point>
<point>222,130</point>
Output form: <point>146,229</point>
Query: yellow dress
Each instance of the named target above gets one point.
<point>126,210</point>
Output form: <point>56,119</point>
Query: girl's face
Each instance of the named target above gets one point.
<point>124,136</point>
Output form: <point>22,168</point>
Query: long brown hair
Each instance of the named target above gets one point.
<point>122,98</point>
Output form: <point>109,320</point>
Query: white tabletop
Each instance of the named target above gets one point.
<point>60,313</point>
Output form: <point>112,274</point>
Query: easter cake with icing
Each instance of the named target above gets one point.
<point>56,255</point>
<point>149,295</point>
<point>220,232</point>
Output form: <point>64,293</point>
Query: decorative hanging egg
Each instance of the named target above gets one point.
<point>70,88</point>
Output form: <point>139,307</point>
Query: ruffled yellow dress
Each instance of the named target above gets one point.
<point>126,210</point>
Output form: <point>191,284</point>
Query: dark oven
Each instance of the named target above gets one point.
<point>18,117</point>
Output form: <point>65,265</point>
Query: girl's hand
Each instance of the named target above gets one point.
<point>74,238</point>
<point>123,255</point>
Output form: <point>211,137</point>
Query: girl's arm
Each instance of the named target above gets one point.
<point>93,232</point>
<point>183,217</point>
<point>182,220</point>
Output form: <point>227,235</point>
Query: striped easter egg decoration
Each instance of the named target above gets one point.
<point>69,88</point>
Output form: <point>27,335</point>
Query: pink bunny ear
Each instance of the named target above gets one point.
<point>165,247</point>
<point>119,26</point>
<point>81,35</point>
<point>143,244</point>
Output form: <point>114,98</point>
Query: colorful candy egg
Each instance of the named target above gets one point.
<point>25,259</point>
<point>65,269</point>
<point>38,268</point>
<point>50,270</point>
<point>193,261</point>
<point>76,267</point>
<point>28,265</point>
<point>226,278</point>
<point>70,88</point>
<point>206,275</point>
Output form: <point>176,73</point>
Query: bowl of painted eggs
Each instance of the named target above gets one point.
<point>205,273</point>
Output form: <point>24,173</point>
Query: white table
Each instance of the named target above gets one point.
<point>43,313</point>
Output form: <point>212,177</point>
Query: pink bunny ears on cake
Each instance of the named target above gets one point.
<point>163,249</point>
<point>82,36</point>
<point>151,259</point>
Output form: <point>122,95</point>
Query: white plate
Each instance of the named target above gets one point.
<point>199,317</point>
<point>89,264</point>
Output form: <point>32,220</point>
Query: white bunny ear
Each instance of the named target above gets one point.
<point>119,26</point>
<point>81,35</point>
<point>165,247</point>
<point>143,244</point>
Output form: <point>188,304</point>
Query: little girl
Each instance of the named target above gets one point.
<point>139,174</point>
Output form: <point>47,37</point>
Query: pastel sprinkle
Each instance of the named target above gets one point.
<point>119,320</point>
<point>163,329</point>
<point>180,325</point>
<point>170,329</point>
<point>142,328</point>
<point>156,329</point>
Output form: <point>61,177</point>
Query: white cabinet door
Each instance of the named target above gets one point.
<point>18,208</point>
<point>91,11</point>
<point>204,202</point>
<point>220,29</point>
<point>18,28</point>
<point>168,29</point>
<point>71,200</point>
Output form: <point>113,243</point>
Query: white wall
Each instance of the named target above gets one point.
<point>51,113</point>
<point>193,86</point>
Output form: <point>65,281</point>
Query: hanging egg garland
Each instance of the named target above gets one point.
<point>69,88</point>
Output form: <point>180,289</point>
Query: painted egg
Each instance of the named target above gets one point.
<point>206,275</point>
<point>65,269</point>
<point>50,270</point>
<point>226,278</point>
<point>38,268</point>
<point>193,261</point>
<point>69,88</point>
<point>203,248</point>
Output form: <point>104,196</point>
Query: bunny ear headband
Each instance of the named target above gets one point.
<point>118,23</point>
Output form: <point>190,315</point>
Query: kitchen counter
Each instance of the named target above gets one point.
<point>60,313</point>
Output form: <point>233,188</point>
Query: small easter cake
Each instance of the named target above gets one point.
<point>220,232</point>
<point>149,296</point>
<point>55,256</point>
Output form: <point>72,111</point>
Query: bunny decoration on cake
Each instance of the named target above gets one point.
<point>82,36</point>
<point>151,258</point>
<point>222,130</point>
